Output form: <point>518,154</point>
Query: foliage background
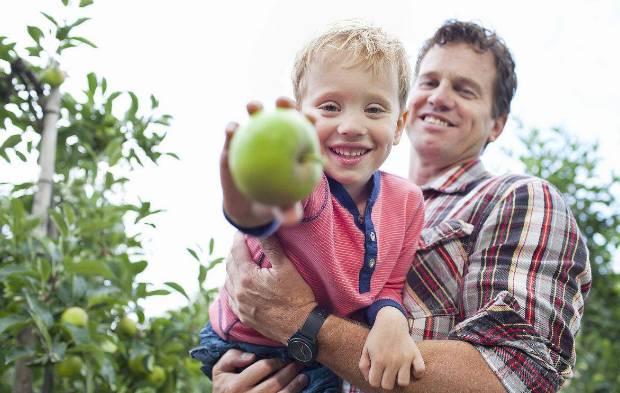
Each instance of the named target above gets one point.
<point>93,253</point>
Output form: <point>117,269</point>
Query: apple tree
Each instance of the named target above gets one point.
<point>71,318</point>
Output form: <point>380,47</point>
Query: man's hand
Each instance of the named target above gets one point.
<point>390,353</point>
<point>274,301</point>
<point>267,375</point>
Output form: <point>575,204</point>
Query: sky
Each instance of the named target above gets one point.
<point>205,62</point>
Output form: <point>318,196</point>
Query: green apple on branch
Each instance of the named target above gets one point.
<point>275,159</point>
<point>75,316</point>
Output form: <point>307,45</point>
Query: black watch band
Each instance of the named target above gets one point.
<point>303,345</point>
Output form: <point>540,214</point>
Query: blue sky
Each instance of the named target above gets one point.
<point>205,62</point>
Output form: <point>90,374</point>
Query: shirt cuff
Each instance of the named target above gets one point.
<point>373,309</point>
<point>512,348</point>
<point>261,231</point>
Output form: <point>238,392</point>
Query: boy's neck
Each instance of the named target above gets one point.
<point>359,193</point>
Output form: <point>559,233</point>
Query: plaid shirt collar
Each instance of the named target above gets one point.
<point>458,179</point>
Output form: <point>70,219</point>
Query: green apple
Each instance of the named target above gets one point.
<point>157,376</point>
<point>275,159</point>
<point>75,316</point>
<point>69,367</point>
<point>140,364</point>
<point>53,76</point>
<point>127,327</point>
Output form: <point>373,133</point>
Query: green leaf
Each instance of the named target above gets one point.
<point>202,274</point>
<point>154,102</point>
<point>59,220</point>
<point>65,2</point>
<point>92,83</point>
<point>13,321</point>
<point>50,19</point>
<point>42,318</point>
<point>157,292</point>
<point>85,3</point>
<point>11,141</point>
<point>9,271</point>
<point>20,155</point>
<point>84,41</point>
<point>177,288</point>
<point>193,253</point>
<point>44,265</point>
<point>138,267</point>
<point>35,33</point>
<point>133,109</point>
<point>90,268</point>
<point>78,22</point>
<point>114,151</point>
<point>211,246</point>
<point>173,155</point>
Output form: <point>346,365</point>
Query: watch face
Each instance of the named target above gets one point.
<point>300,350</point>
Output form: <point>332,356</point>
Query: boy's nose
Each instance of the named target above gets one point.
<point>352,125</point>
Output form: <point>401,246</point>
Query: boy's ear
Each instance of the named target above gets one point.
<point>400,126</point>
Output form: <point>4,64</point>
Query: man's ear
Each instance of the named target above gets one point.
<point>498,126</point>
<point>400,126</point>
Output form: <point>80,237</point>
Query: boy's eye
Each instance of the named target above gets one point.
<point>427,83</point>
<point>329,107</point>
<point>375,109</point>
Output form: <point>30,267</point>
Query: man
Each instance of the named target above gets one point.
<point>496,291</point>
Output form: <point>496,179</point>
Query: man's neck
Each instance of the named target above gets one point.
<point>423,172</point>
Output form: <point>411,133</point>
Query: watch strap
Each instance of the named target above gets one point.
<point>315,320</point>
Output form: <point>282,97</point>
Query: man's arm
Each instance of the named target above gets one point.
<point>276,302</point>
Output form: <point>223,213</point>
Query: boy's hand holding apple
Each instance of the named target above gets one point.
<point>268,166</point>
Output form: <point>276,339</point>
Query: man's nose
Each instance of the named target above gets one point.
<point>441,98</point>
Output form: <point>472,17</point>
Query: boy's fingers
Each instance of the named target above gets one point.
<point>404,375</point>
<point>389,378</point>
<point>230,130</point>
<point>418,365</point>
<point>285,102</point>
<point>289,215</point>
<point>253,107</point>
<point>364,364</point>
<point>374,375</point>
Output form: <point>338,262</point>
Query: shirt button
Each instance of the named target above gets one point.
<point>371,263</point>
<point>360,219</point>
<point>372,236</point>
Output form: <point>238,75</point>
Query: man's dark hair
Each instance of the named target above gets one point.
<point>481,40</point>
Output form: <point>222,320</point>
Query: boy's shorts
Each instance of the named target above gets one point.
<point>212,347</point>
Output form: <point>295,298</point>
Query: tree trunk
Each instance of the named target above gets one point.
<point>41,204</point>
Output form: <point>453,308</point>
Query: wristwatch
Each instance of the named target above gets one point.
<point>303,345</point>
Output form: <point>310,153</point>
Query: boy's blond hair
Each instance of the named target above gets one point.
<point>362,43</point>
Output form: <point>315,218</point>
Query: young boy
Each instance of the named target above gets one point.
<point>360,226</point>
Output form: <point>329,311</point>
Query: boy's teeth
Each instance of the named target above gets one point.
<point>349,152</point>
<point>434,120</point>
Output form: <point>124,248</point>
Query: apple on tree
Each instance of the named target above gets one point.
<point>75,316</point>
<point>275,159</point>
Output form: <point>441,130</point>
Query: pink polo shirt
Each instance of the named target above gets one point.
<point>355,262</point>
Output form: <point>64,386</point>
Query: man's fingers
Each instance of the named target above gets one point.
<point>273,250</point>
<point>279,381</point>
<point>256,372</point>
<point>232,360</point>
<point>297,384</point>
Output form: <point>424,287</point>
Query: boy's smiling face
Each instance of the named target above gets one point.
<point>358,117</point>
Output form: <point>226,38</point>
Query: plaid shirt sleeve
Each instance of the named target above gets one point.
<point>524,288</point>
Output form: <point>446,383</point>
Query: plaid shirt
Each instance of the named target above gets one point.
<point>501,265</point>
